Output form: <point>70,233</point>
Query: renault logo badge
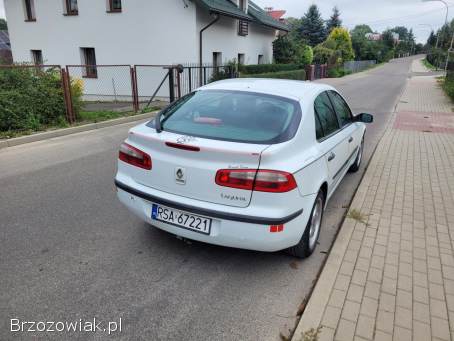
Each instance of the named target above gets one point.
<point>180,175</point>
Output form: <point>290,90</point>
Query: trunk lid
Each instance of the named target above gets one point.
<point>192,173</point>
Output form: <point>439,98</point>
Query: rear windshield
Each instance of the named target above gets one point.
<point>236,116</point>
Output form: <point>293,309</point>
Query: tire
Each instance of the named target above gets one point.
<point>308,242</point>
<point>359,157</point>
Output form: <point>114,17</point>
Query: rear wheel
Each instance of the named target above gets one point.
<point>308,242</point>
<point>359,157</point>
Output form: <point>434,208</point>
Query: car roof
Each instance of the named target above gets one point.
<point>298,90</point>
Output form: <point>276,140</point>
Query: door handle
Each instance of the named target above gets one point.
<point>350,140</point>
<point>331,157</point>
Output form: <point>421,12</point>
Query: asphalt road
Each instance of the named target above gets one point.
<point>70,251</point>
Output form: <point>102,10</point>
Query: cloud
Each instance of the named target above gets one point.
<point>378,14</point>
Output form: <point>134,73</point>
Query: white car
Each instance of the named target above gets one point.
<point>244,163</point>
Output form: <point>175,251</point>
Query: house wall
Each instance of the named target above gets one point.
<point>223,37</point>
<point>145,32</point>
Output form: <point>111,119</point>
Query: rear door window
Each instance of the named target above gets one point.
<point>236,116</point>
<point>325,113</point>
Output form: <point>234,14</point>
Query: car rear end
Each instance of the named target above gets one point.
<point>201,177</point>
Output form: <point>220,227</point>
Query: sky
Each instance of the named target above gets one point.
<point>379,14</point>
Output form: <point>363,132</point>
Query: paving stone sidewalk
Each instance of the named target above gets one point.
<point>390,274</point>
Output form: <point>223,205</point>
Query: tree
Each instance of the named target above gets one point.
<point>361,45</point>
<point>334,21</point>
<point>283,50</point>
<point>432,40</point>
<point>295,29</point>
<point>3,25</point>
<point>339,40</point>
<point>313,29</point>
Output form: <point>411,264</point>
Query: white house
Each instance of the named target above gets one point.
<point>130,32</point>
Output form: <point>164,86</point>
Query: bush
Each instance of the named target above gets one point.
<point>295,74</point>
<point>337,72</point>
<point>304,55</point>
<point>448,87</point>
<point>324,55</point>
<point>266,68</point>
<point>31,98</point>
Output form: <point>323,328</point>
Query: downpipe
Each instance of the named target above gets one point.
<point>216,19</point>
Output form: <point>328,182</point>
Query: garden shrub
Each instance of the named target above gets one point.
<point>448,87</point>
<point>266,68</point>
<point>31,98</point>
<point>295,74</point>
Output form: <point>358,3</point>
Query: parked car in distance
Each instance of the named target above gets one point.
<point>244,163</point>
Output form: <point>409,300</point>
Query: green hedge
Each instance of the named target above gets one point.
<point>296,75</point>
<point>448,87</point>
<point>266,68</point>
<point>30,98</point>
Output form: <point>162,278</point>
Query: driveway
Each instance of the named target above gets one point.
<point>70,251</point>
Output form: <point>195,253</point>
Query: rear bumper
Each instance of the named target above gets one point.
<point>228,229</point>
<point>207,212</point>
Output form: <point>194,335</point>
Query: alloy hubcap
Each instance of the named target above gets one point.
<point>316,220</point>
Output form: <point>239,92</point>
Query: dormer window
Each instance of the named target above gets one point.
<point>243,28</point>
<point>71,7</point>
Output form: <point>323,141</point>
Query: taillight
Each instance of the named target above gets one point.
<point>134,156</point>
<point>262,180</point>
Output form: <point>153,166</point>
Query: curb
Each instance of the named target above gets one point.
<point>317,300</point>
<point>72,130</point>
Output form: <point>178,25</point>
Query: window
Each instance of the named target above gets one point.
<point>241,59</point>
<point>342,109</point>
<point>71,7</point>
<point>318,128</point>
<point>236,116</point>
<point>114,6</point>
<point>217,59</point>
<point>260,60</point>
<point>243,28</point>
<point>37,57</point>
<point>29,7</point>
<point>325,113</point>
<point>89,61</point>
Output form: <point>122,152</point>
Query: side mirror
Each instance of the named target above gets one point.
<point>365,118</point>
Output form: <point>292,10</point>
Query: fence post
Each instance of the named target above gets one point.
<point>310,72</point>
<point>171,85</point>
<point>67,87</point>
<point>64,83</point>
<point>190,78</point>
<point>135,98</point>
<point>178,83</point>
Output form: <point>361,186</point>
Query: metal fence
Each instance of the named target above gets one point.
<point>104,87</point>
<point>358,65</point>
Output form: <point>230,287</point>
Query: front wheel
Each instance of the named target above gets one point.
<point>308,242</point>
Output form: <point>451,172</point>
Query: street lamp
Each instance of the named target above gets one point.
<point>447,8</point>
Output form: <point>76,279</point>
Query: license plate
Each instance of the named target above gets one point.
<point>181,219</point>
